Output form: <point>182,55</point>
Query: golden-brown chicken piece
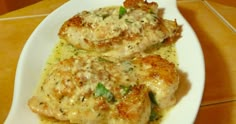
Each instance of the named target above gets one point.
<point>118,31</point>
<point>142,4</point>
<point>84,91</point>
<point>160,76</point>
<point>95,89</point>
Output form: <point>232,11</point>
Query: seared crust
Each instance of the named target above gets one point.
<point>68,91</point>
<point>117,64</point>
<point>160,76</point>
<point>141,4</point>
<point>103,30</point>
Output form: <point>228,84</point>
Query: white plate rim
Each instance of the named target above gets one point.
<point>195,69</point>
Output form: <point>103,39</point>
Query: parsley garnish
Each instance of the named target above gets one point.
<point>122,11</point>
<point>101,90</point>
<point>152,98</point>
<point>153,116</point>
<point>124,89</point>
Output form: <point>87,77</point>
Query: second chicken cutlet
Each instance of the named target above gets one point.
<point>119,31</point>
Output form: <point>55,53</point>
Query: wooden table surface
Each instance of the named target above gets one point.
<point>213,21</point>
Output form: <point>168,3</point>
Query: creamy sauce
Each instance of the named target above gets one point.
<point>64,50</point>
<point>110,36</point>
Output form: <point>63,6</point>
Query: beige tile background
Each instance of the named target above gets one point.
<point>16,27</point>
<point>217,39</point>
<point>9,5</point>
<point>226,11</point>
<point>218,42</point>
<point>40,8</point>
<point>15,35</point>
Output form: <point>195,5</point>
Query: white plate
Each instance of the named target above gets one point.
<point>43,39</point>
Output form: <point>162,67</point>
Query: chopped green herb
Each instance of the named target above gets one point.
<point>153,116</point>
<point>152,98</point>
<point>122,11</point>
<point>102,91</point>
<point>155,17</point>
<point>128,21</point>
<point>100,59</point>
<point>127,70</point>
<point>124,89</point>
<point>99,114</point>
<point>105,16</point>
<point>127,66</point>
<point>151,11</point>
<point>131,69</point>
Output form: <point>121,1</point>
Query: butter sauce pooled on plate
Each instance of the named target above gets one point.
<point>95,76</point>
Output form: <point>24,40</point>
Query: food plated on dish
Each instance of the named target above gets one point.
<point>118,77</point>
<point>112,64</point>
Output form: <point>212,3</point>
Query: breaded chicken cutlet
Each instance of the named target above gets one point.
<point>115,85</point>
<point>93,89</point>
<point>119,31</point>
